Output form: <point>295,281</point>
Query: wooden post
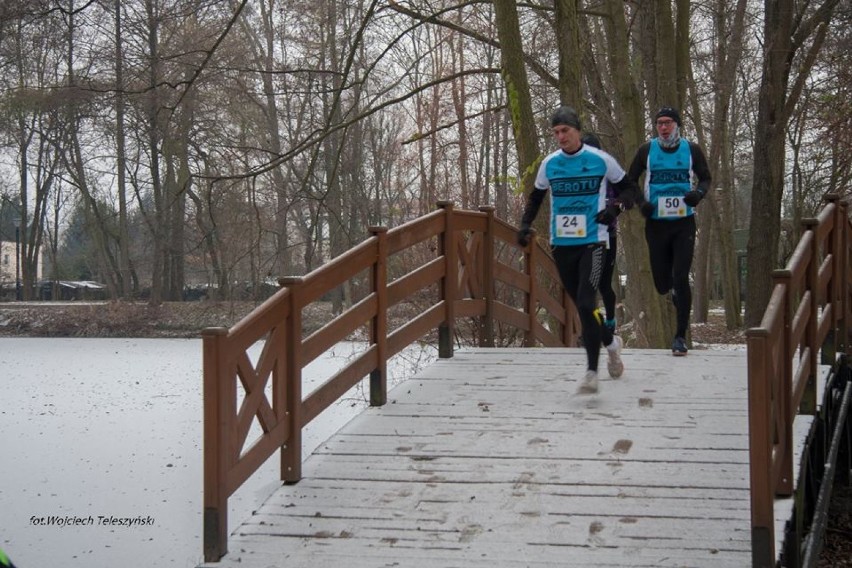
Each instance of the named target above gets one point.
<point>760,450</point>
<point>379,322</point>
<point>843,276</point>
<point>831,345</point>
<point>809,396</point>
<point>530,264</point>
<point>828,348</point>
<point>219,409</point>
<point>784,404</point>
<point>291,452</point>
<point>486,325</point>
<point>449,289</point>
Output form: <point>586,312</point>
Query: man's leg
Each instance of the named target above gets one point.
<point>607,292</point>
<point>580,270</point>
<point>607,322</point>
<point>684,248</point>
<point>590,269</point>
<point>660,254</point>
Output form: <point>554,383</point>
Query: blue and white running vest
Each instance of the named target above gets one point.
<point>667,179</point>
<point>577,184</point>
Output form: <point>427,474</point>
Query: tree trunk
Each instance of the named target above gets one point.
<point>22,291</point>
<point>728,55</point>
<point>76,166</point>
<point>683,67</point>
<point>459,94</point>
<point>177,180</point>
<point>264,53</point>
<point>647,310</point>
<point>158,252</point>
<point>730,270</point>
<point>715,219</point>
<point>24,139</point>
<point>568,43</point>
<point>667,58</point>
<point>124,282</point>
<point>784,35</point>
<point>517,92</point>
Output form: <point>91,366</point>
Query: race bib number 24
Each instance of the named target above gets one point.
<point>571,226</point>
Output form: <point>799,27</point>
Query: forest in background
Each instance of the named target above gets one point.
<point>156,145</point>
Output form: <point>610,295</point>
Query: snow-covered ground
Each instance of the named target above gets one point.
<point>101,449</point>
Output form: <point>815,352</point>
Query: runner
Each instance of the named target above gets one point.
<point>678,178</point>
<point>577,176</point>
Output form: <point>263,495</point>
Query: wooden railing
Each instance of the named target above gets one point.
<point>453,264</point>
<point>808,314</point>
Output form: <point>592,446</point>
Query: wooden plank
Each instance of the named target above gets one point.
<point>342,550</point>
<point>490,459</point>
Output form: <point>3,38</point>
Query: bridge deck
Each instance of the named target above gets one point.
<point>490,459</point>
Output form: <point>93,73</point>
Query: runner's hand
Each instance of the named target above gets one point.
<point>693,198</point>
<point>608,215</point>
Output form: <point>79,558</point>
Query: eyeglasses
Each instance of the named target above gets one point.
<point>665,122</point>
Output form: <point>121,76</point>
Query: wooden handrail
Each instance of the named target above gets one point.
<point>808,313</point>
<point>461,264</point>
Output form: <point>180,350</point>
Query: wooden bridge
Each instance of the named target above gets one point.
<point>487,457</point>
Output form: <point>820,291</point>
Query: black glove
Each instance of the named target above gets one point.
<point>608,215</point>
<point>646,208</point>
<point>693,198</point>
<point>524,236</point>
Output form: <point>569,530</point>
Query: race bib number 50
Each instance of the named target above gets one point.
<point>671,207</point>
<point>571,226</point>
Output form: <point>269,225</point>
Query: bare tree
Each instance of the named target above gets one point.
<point>792,32</point>
<point>125,283</point>
<point>717,224</point>
<point>517,91</point>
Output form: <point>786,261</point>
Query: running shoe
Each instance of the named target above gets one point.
<point>615,365</point>
<point>679,347</point>
<point>589,384</point>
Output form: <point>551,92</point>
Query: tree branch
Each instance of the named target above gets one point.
<point>421,135</point>
<point>534,65</point>
<point>211,51</point>
<point>318,136</point>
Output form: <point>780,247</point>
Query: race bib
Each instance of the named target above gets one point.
<point>571,226</point>
<point>671,207</point>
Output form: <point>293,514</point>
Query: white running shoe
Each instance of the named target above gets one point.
<point>589,384</point>
<point>615,365</point>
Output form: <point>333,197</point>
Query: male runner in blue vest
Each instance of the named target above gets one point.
<point>577,177</point>
<point>678,178</point>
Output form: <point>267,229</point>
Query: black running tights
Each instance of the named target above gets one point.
<point>580,269</point>
<point>671,245</point>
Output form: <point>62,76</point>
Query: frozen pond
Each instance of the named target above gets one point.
<point>108,433</point>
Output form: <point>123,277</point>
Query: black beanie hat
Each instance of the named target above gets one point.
<point>670,112</point>
<point>565,115</point>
